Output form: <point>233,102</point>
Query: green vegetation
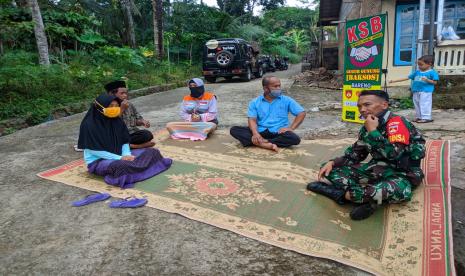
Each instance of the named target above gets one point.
<point>34,92</point>
<point>406,103</point>
<point>91,42</point>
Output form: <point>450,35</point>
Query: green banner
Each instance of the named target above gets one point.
<point>363,61</point>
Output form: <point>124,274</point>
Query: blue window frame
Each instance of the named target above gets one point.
<point>407,27</point>
<point>407,32</point>
<point>454,15</point>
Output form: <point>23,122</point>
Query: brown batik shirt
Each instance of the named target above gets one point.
<point>130,117</point>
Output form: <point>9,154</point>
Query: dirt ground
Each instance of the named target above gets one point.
<point>41,234</point>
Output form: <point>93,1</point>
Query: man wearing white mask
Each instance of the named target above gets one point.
<point>268,123</point>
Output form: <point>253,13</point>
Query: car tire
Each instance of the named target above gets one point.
<point>247,76</point>
<point>259,73</point>
<point>224,58</point>
<point>210,79</point>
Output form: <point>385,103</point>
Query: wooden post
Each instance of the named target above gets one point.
<point>349,10</point>
<point>440,17</point>
<point>421,24</point>
<point>353,9</point>
<point>432,13</point>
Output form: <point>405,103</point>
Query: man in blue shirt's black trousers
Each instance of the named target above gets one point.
<point>268,119</point>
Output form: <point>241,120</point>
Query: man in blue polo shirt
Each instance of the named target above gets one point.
<point>268,119</point>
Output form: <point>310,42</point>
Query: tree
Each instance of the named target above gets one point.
<point>39,32</point>
<point>233,7</point>
<point>251,5</point>
<point>157,7</point>
<point>286,18</point>
<point>220,4</point>
<point>309,3</point>
<point>126,5</point>
<point>168,38</point>
<point>298,38</point>
<point>248,32</point>
<point>271,4</point>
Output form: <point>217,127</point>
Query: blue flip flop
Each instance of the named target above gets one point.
<point>125,203</point>
<point>91,199</point>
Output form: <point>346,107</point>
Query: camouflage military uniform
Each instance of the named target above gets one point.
<point>394,168</point>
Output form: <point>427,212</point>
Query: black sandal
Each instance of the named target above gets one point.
<point>423,121</point>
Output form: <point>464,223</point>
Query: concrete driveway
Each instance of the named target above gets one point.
<point>41,234</point>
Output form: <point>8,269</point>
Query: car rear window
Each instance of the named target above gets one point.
<point>229,48</point>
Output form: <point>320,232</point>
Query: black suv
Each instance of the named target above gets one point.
<point>230,57</point>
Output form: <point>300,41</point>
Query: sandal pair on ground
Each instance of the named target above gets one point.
<point>125,203</point>
<point>422,121</point>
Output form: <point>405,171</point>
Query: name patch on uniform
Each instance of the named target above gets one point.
<point>397,131</point>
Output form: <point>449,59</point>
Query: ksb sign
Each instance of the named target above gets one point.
<point>363,60</point>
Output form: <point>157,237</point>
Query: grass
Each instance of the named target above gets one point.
<point>34,93</point>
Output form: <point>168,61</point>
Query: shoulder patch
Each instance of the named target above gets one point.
<point>397,131</point>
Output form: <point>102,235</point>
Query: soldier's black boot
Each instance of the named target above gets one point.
<point>363,211</point>
<point>335,193</point>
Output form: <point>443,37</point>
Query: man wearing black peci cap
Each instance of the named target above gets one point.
<point>139,138</point>
<point>396,148</point>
